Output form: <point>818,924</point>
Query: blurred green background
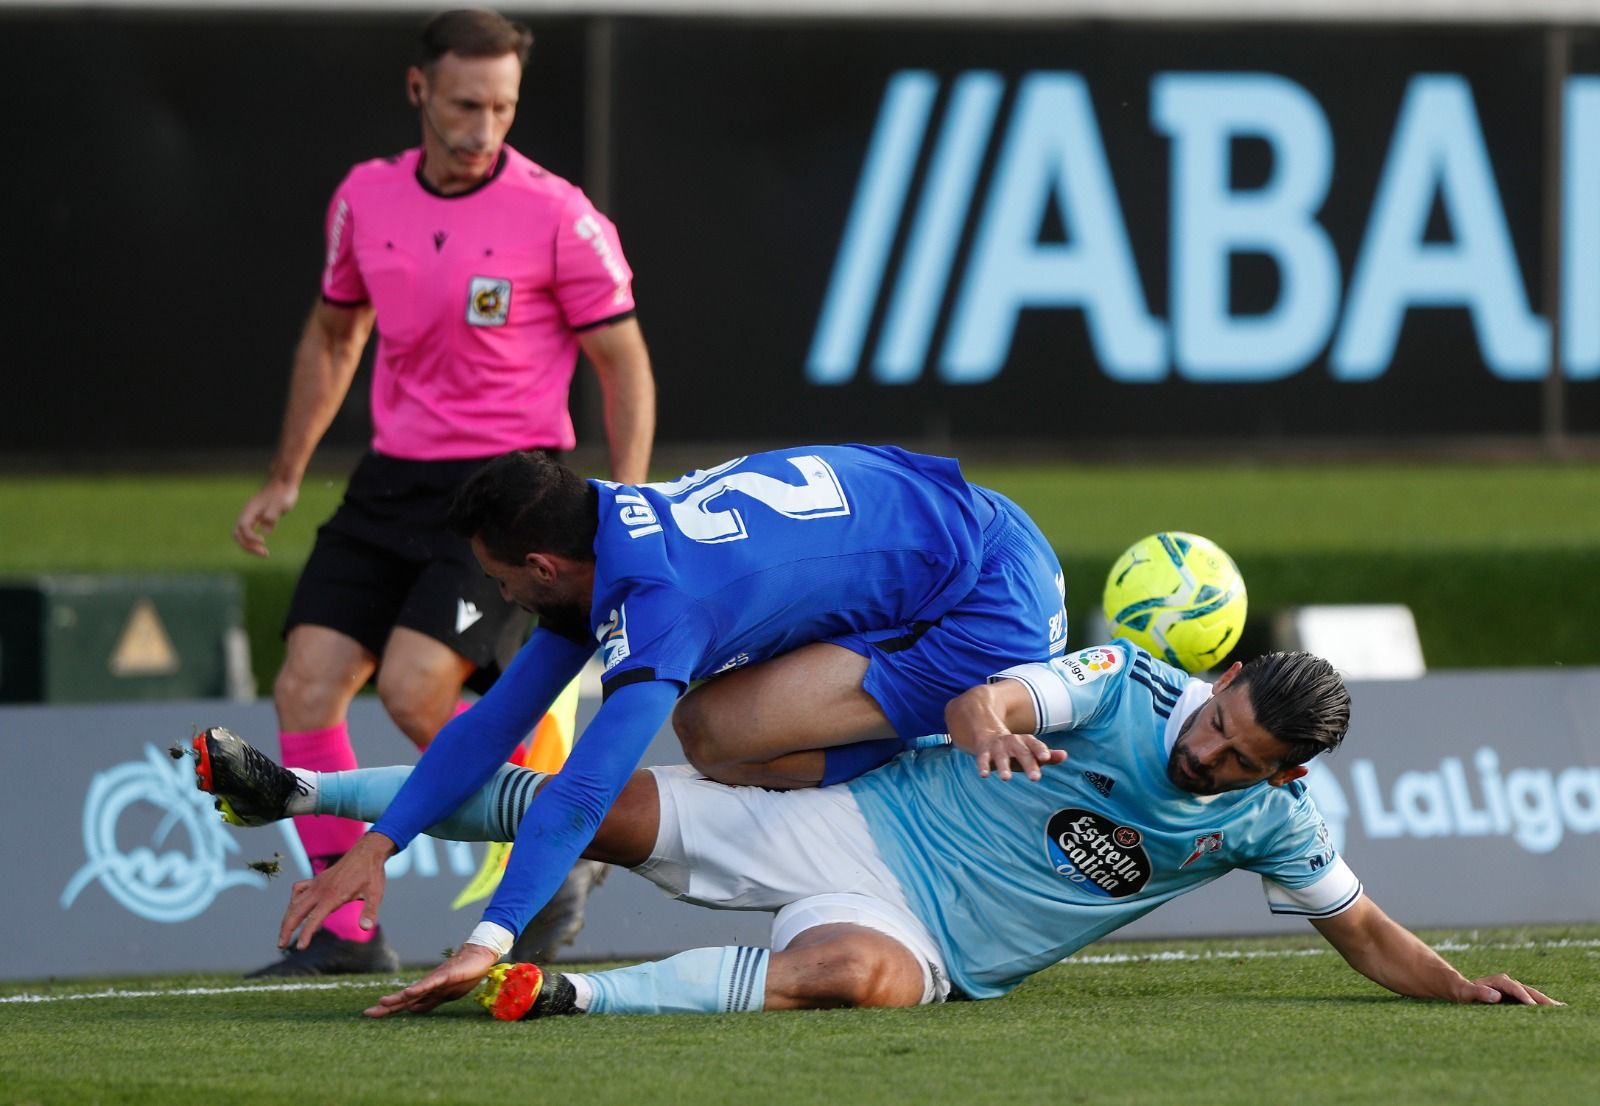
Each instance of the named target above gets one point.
<point>1500,562</point>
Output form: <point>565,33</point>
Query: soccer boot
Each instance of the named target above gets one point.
<point>331,955</point>
<point>557,925</point>
<point>518,992</point>
<point>251,789</point>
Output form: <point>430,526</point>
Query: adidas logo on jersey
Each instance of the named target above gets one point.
<point>1102,784</point>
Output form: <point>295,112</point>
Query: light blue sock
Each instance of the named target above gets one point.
<point>492,814</point>
<point>700,981</point>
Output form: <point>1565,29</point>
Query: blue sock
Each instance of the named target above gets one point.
<point>846,762</point>
<point>700,981</point>
<point>492,814</point>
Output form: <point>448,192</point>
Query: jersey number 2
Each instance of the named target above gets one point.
<point>698,512</point>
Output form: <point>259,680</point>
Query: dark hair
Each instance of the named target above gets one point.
<point>473,33</point>
<point>1300,700</point>
<point>528,503</point>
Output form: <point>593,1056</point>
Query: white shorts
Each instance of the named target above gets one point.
<point>805,855</point>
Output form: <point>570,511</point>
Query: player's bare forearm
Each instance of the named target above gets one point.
<point>1393,957</point>
<point>994,724</point>
<point>1001,707</point>
<point>628,391</point>
<point>325,363</point>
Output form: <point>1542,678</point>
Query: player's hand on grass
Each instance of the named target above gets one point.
<point>275,499</point>
<point>356,875</point>
<point>1506,991</point>
<point>454,978</point>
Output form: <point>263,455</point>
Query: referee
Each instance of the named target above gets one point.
<point>485,275</point>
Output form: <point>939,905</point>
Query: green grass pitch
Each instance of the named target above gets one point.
<point>140,523</point>
<point>1497,560</point>
<point>1254,1022</point>
<point>1248,1021</point>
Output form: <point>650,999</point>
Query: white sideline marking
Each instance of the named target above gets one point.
<point>1159,955</point>
<point>258,988</point>
<point>1273,954</point>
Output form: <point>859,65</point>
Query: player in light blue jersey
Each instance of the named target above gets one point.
<point>927,880</point>
<point>840,596</point>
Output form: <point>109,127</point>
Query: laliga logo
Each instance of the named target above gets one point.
<point>168,886</point>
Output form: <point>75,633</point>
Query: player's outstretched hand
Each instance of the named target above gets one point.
<point>1506,991</point>
<point>1004,753</point>
<point>275,499</point>
<point>356,875</point>
<point>979,725</point>
<point>457,976</point>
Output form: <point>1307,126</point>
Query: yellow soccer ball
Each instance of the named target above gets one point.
<point>1179,596</point>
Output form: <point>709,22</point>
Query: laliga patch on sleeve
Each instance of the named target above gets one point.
<point>613,638</point>
<point>1087,665</point>
<point>488,301</point>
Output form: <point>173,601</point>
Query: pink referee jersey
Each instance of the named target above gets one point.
<point>480,297</point>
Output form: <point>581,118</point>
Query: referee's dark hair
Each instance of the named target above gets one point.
<point>473,33</point>
<point>525,502</point>
<point>1298,699</point>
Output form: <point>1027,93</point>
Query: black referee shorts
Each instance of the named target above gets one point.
<point>387,558</point>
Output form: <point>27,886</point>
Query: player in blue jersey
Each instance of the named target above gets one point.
<point>926,880</point>
<point>840,595</point>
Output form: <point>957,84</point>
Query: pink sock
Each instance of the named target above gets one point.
<point>327,839</point>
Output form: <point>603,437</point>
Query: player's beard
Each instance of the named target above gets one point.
<point>1196,784</point>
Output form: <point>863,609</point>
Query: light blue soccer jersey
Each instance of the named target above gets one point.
<point>731,565</point>
<point>1012,876</point>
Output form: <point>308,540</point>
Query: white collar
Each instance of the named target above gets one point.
<point>1195,694</point>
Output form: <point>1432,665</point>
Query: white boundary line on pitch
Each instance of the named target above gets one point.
<point>184,991</point>
<point>1158,955</point>
<point>1276,954</point>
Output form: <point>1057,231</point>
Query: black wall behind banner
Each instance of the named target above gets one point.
<point>1018,277</point>
<point>165,187</point>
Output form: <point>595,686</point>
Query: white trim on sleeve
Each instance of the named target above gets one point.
<point>493,936</point>
<point>1052,703</point>
<point>1336,892</point>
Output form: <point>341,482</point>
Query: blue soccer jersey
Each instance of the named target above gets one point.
<point>1012,876</point>
<point>730,566</point>
<point>734,564</point>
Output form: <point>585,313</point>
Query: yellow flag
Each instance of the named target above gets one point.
<point>545,751</point>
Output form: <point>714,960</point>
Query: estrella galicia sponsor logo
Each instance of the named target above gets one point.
<point>179,867</point>
<point>613,638</point>
<point>1098,855</point>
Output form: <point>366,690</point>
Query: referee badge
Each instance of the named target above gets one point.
<point>488,301</point>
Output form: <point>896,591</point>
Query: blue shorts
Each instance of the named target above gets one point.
<point>1014,614</point>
